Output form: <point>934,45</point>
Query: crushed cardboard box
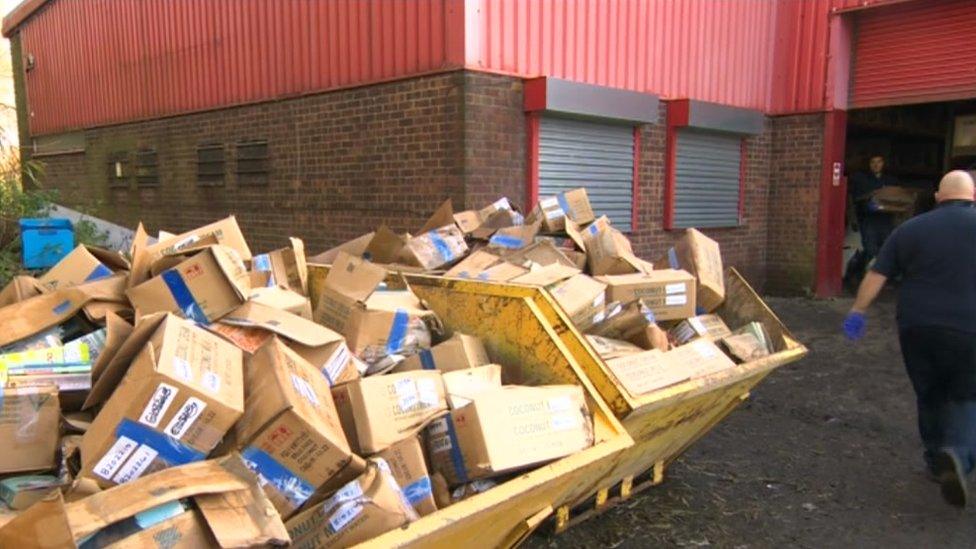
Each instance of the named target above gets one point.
<point>18,289</point>
<point>290,434</point>
<point>409,468</point>
<point>286,267</point>
<point>702,257</point>
<point>183,390</point>
<point>645,372</point>
<point>708,326</point>
<point>459,352</point>
<point>29,418</point>
<point>609,348</point>
<point>361,510</point>
<point>463,385</point>
<point>76,268</point>
<point>553,211</point>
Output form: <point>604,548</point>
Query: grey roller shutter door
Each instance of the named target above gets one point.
<point>706,179</point>
<point>598,157</point>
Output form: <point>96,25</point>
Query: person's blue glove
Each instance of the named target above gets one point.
<point>854,324</point>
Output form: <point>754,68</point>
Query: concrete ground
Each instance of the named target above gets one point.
<point>825,454</point>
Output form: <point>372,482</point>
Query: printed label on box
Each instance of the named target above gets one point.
<point>563,422</point>
<point>560,404</point>
<point>158,403</point>
<point>346,513</point>
<point>115,457</point>
<point>211,382</point>
<point>137,464</point>
<point>304,388</point>
<point>676,300</point>
<point>184,418</point>
<point>675,288</point>
<point>338,363</point>
<point>182,368</point>
<point>697,324</point>
<point>427,391</point>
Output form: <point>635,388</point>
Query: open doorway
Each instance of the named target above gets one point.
<point>917,145</point>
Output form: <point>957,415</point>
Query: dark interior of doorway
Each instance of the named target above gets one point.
<point>919,144</point>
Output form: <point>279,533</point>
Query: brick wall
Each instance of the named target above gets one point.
<point>743,247</point>
<point>794,198</point>
<point>341,163</point>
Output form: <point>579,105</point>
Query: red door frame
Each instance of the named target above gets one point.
<point>831,227</point>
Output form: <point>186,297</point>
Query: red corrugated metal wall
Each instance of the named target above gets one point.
<point>916,52</point>
<point>713,51</point>
<point>103,61</point>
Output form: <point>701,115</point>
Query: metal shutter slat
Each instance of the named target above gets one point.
<point>599,157</point>
<point>707,170</point>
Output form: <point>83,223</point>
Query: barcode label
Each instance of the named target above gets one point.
<point>115,457</point>
<point>137,464</point>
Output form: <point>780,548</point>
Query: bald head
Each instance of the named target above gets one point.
<point>955,185</point>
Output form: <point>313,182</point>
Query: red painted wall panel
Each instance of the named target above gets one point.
<point>915,52</point>
<point>107,61</point>
<point>714,51</point>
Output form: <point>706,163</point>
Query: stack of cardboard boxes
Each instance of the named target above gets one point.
<point>191,388</point>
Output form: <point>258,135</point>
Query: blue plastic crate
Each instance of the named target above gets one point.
<point>45,241</point>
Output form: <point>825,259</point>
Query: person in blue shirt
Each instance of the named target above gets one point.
<point>935,255</point>
<point>874,225</point>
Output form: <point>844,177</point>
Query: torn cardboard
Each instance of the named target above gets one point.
<point>18,289</point>
<point>436,248</point>
<point>409,468</point>
<point>29,420</point>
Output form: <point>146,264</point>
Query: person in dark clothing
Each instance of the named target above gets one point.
<point>935,255</point>
<point>875,225</point>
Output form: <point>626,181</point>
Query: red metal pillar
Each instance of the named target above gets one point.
<point>833,202</point>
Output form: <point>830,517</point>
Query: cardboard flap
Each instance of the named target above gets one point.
<point>573,231</point>
<point>550,274</point>
<point>114,371</point>
<point>443,215</point>
<point>20,288</point>
<point>385,246</point>
<point>283,323</point>
<point>111,288</point>
<point>243,518</point>
<point>110,258</point>
<point>43,525</point>
<point>298,245</point>
<point>117,330</point>
<point>91,514</point>
<point>39,313</point>
<point>233,268</point>
<point>354,278</point>
<point>140,257</point>
<point>355,247</point>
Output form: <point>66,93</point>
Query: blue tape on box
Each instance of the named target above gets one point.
<point>99,273</point>
<point>427,360</point>
<point>290,485</point>
<point>505,241</point>
<point>442,248</point>
<point>169,449</point>
<point>263,263</point>
<point>62,307</point>
<point>673,258</point>
<point>456,458</point>
<point>154,515</point>
<point>398,331</point>
<point>184,299</point>
<point>418,491</point>
<point>563,205</point>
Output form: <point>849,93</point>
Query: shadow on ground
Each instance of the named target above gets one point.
<point>824,454</point>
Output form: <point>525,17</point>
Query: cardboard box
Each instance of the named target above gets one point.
<point>702,257</point>
<point>376,324</point>
<point>182,392</point>
<point>668,293</point>
<point>513,238</point>
<point>232,512</point>
<point>77,267</point>
<point>409,468</point>
<point>290,434</point>
<point>202,288</point>
<point>547,276</point>
<point>225,232</point>
<point>645,372</point>
<point>509,429</point>
<point>251,325</point>
<point>285,267</point>
<point>436,248</point>
<point>476,262</point>
<point>380,410</point>
<point>581,297</point>
<point>552,211</point>
<point>29,420</point>
<point>459,352</point>
<point>363,509</point>
<point>612,348</point>
<point>18,289</point>
<point>610,253</point>
<point>708,326</point>
<point>283,299</point>
<point>895,199</point>
<point>622,321</point>
<point>463,385</point>
<point>21,492</point>
<point>355,247</point>
<point>486,220</point>
<point>744,347</point>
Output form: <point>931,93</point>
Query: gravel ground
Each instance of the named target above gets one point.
<point>824,454</point>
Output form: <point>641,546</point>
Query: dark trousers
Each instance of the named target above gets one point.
<point>875,229</point>
<point>942,366</point>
